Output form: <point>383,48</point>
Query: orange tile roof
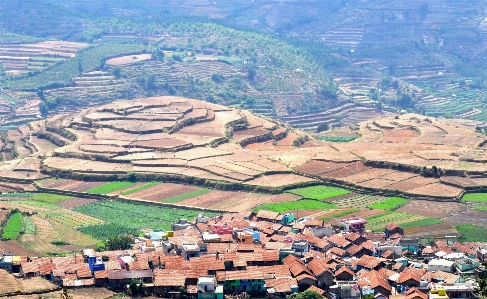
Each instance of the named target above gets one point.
<point>317,267</point>
<point>46,268</point>
<point>267,215</point>
<point>337,251</point>
<point>448,277</point>
<point>391,226</point>
<point>172,280</point>
<point>316,289</point>
<point>281,285</point>
<point>83,273</point>
<point>277,270</point>
<point>352,236</point>
<point>387,254</point>
<point>101,274</point>
<point>303,276</point>
<point>405,276</point>
<point>240,275</point>
<point>368,262</point>
<point>297,268</point>
<point>369,245</point>
<point>428,250</point>
<point>30,267</point>
<point>415,293</point>
<point>344,269</point>
<point>374,279</point>
<point>314,222</point>
<point>354,249</point>
<point>338,240</point>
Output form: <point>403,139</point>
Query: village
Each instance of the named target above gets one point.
<point>268,255</point>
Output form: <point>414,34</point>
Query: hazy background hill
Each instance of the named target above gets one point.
<point>360,57</point>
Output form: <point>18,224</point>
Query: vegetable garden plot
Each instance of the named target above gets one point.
<point>359,201</point>
<point>319,192</point>
<point>436,190</point>
<point>426,208</point>
<point>163,191</point>
<point>377,223</point>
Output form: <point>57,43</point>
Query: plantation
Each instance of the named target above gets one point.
<point>110,187</point>
<point>136,216</point>
<point>105,231</point>
<point>319,192</point>
<point>49,198</point>
<point>303,204</point>
<point>475,197</point>
<point>389,204</point>
<point>145,186</point>
<point>14,227</point>
<point>186,196</point>
<point>472,233</point>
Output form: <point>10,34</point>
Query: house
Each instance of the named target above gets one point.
<point>414,293</point>
<point>119,279</point>
<point>456,290</point>
<point>323,274</point>
<point>391,228</point>
<point>263,215</point>
<point>410,244</point>
<point>356,225</point>
<point>29,269</point>
<point>169,285</point>
<point>368,262</point>
<point>344,273</point>
<point>208,288</point>
<point>355,238</point>
<point>189,250</point>
<point>305,281</point>
<point>377,282</point>
<point>101,278</point>
<point>242,281</point>
<point>281,287</point>
<point>345,290</point>
<point>466,264</point>
<point>6,263</point>
<point>441,264</point>
<point>409,279</point>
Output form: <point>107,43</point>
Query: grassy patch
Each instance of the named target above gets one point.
<point>110,187</point>
<point>145,186</point>
<point>475,197</point>
<point>14,227</point>
<point>185,196</point>
<point>472,233</point>
<point>338,215</point>
<point>29,226</point>
<point>421,223</point>
<point>480,208</point>
<point>303,204</point>
<point>49,198</point>
<point>389,204</point>
<point>319,192</point>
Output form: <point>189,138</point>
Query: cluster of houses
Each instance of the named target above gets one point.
<point>274,255</point>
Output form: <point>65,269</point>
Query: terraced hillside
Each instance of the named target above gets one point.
<point>185,140</point>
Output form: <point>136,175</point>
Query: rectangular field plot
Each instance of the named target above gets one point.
<point>389,204</point>
<point>136,216</point>
<point>377,223</point>
<point>110,187</point>
<point>74,237</point>
<point>49,198</point>
<point>303,204</point>
<point>73,219</point>
<point>475,197</point>
<point>75,202</point>
<point>432,231</point>
<point>319,192</point>
<point>359,201</point>
<point>472,233</point>
<point>104,231</point>
<point>435,209</point>
<point>163,191</point>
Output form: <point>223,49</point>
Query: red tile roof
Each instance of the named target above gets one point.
<point>101,274</point>
<point>354,249</point>
<point>391,226</point>
<point>169,280</point>
<point>317,267</point>
<point>368,262</point>
<point>304,276</point>
<point>387,254</point>
<point>268,215</point>
<point>338,240</point>
<point>344,269</point>
<point>281,285</point>
<point>405,276</point>
<point>374,279</point>
<point>337,251</point>
<point>316,289</point>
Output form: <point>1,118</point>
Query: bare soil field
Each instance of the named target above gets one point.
<point>128,59</point>
<point>473,217</point>
<point>432,231</point>
<point>436,209</point>
<point>278,180</point>
<point>13,246</point>
<point>75,202</point>
<point>162,191</point>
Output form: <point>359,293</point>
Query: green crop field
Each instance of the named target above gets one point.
<point>319,192</point>
<point>145,186</point>
<point>421,223</point>
<point>29,226</point>
<point>337,138</point>
<point>185,196</point>
<point>303,204</point>
<point>110,187</point>
<point>104,231</point>
<point>480,208</point>
<point>49,198</point>
<point>475,197</point>
<point>14,227</point>
<point>389,204</point>
<point>338,215</point>
<point>472,233</point>
<point>378,222</point>
<point>136,216</point>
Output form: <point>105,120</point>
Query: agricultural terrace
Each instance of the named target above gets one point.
<point>475,197</point>
<point>204,144</point>
<point>472,233</point>
<point>303,204</point>
<point>392,203</point>
<point>14,227</point>
<point>319,192</point>
<point>404,220</point>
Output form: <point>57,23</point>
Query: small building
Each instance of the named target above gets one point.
<point>29,269</point>
<point>456,290</point>
<point>281,287</point>
<point>169,285</point>
<point>6,263</point>
<point>441,264</point>
<point>355,225</point>
<point>119,279</point>
<point>344,273</point>
<point>263,215</point>
<point>345,290</point>
<point>466,264</point>
<point>208,288</point>
<point>323,274</point>
<point>189,250</point>
<point>300,247</point>
<point>180,225</point>
<point>242,281</point>
<point>391,228</point>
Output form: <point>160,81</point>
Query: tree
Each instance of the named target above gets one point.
<point>65,295</point>
<point>322,127</point>
<point>118,242</point>
<point>251,73</point>
<point>482,287</point>
<point>309,294</point>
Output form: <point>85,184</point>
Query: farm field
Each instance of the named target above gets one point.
<point>135,216</point>
<point>435,209</point>
<point>139,188</point>
<point>110,187</point>
<point>303,204</point>
<point>377,222</point>
<point>359,201</point>
<point>475,197</point>
<point>162,191</point>
<point>340,213</point>
<point>14,227</point>
<point>389,204</point>
<point>319,192</point>
<point>472,233</point>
